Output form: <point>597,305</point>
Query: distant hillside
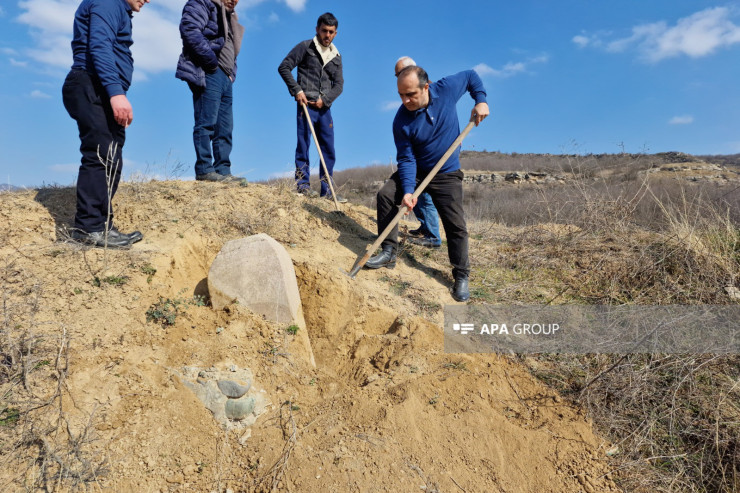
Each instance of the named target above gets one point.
<point>624,163</point>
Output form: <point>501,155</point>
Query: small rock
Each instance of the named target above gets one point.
<point>238,409</point>
<point>233,390</point>
<point>732,292</point>
<point>174,478</point>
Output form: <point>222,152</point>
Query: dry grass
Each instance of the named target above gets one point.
<point>613,235</point>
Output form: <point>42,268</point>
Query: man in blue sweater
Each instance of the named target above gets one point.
<point>94,95</point>
<point>424,128</point>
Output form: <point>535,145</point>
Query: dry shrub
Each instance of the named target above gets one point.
<point>674,420</point>
<point>39,442</point>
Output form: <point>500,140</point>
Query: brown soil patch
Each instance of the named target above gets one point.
<point>385,409</point>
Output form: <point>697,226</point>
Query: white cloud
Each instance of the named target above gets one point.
<point>50,22</point>
<point>2,12</point>
<point>697,35</point>
<point>39,94</point>
<point>18,63</point>
<point>273,18</point>
<point>581,41</point>
<point>8,51</point>
<point>484,70</point>
<point>510,69</point>
<point>155,31</point>
<point>681,120</point>
<point>157,43</point>
<point>390,105</point>
<point>296,5</point>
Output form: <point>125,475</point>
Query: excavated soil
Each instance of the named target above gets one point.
<point>385,409</point>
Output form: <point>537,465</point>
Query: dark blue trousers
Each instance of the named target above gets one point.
<point>214,124</point>
<point>324,127</point>
<point>101,145</point>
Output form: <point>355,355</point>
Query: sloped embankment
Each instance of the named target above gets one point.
<point>384,410</point>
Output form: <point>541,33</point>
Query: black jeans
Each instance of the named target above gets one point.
<point>101,145</point>
<point>447,194</point>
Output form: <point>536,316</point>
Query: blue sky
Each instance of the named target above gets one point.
<point>573,76</point>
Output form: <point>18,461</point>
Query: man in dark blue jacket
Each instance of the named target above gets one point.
<point>424,128</point>
<point>320,82</point>
<point>211,40</point>
<point>94,95</point>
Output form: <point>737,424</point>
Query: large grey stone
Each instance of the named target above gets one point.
<point>258,273</point>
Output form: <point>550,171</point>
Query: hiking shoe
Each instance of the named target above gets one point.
<point>114,239</point>
<point>423,242</point>
<point>212,176</point>
<point>416,232</point>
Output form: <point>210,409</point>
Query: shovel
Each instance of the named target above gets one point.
<point>403,210</point>
<point>321,157</point>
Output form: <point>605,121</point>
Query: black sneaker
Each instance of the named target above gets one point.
<point>423,242</point>
<point>212,176</point>
<point>416,232</point>
<point>114,239</point>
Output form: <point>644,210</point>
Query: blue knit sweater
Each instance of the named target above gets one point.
<point>101,43</point>
<point>423,136</point>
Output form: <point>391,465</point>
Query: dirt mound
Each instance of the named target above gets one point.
<point>385,409</point>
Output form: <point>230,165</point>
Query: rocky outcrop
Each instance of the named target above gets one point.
<point>502,177</point>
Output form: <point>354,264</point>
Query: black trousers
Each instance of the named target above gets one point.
<point>101,145</point>
<point>447,194</point>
